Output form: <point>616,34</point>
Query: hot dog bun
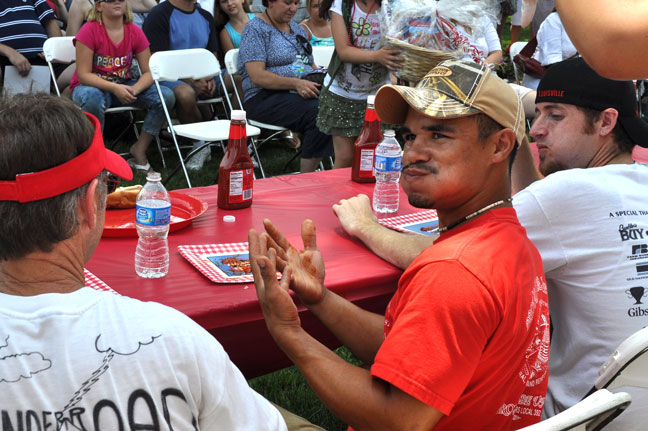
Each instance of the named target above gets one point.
<point>123,197</point>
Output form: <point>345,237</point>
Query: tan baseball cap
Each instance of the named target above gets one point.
<point>455,89</point>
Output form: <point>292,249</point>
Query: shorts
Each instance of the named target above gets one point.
<point>516,18</point>
<point>339,116</point>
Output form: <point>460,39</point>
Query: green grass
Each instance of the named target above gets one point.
<point>289,389</point>
<point>285,387</point>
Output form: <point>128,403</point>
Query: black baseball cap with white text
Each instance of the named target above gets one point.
<point>574,82</point>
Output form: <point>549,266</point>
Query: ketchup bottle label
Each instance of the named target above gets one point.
<point>366,163</point>
<point>240,189</point>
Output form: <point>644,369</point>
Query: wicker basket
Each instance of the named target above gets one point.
<point>418,60</point>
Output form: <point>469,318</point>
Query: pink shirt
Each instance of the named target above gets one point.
<point>110,61</point>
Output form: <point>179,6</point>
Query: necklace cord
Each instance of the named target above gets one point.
<point>473,215</point>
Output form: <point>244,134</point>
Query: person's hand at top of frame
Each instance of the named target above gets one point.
<point>279,310</point>
<point>389,57</point>
<point>307,89</point>
<point>307,266</point>
<point>354,214</point>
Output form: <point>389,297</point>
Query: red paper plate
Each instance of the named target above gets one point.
<point>184,208</point>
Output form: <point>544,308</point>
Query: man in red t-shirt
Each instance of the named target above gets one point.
<point>464,343</point>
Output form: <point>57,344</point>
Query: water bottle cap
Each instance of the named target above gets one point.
<point>371,99</point>
<point>238,114</point>
<point>153,176</point>
<point>229,219</point>
<point>390,133</point>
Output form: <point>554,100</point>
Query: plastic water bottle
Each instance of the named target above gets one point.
<point>298,67</point>
<point>388,168</point>
<point>153,216</point>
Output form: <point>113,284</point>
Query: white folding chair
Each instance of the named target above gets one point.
<point>322,55</point>
<point>513,51</point>
<point>192,64</point>
<point>591,414</point>
<point>627,365</point>
<point>231,64</point>
<point>62,50</point>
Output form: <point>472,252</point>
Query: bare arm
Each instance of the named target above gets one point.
<point>146,79</point>
<point>17,59</point>
<point>52,28</point>
<point>397,248</point>
<point>61,11</point>
<point>494,57</point>
<point>611,36</point>
<point>77,14</point>
<point>524,171</point>
<point>362,401</point>
<point>141,6</point>
<point>389,57</point>
<point>225,41</point>
<point>271,81</point>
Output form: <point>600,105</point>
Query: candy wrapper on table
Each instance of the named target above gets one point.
<point>425,30</point>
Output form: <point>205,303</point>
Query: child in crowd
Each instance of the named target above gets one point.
<point>317,28</point>
<point>230,17</point>
<point>105,47</point>
<point>358,68</point>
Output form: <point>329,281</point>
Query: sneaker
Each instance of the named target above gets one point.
<point>199,159</point>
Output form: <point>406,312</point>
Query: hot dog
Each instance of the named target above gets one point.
<point>123,197</point>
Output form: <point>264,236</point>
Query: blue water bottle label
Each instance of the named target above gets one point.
<point>153,216</point>
<point>388,164</point>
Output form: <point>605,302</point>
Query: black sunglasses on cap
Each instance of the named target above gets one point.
<point>112,181</point>
<point>304,43</point>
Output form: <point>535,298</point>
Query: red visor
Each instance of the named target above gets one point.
<point>68,176</point>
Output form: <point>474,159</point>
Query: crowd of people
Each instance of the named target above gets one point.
<point>330,114</point>
<point>502,319</point>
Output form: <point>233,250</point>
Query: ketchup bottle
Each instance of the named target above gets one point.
<point>362,170</point>
<point>236,171</point>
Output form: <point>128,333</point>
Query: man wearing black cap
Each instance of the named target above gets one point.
<point>589,220</point>
<point>72,357</point>
<point>464,342</point>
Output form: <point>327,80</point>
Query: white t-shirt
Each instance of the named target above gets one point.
<point>96,360</point>
<point>484,41</point>
<point>357,81</point>
<point>591,229</point>
<point>554,44</point>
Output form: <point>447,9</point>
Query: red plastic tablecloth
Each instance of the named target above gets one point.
<point>231,311</point>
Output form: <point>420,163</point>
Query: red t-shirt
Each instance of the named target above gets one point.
<point>110,61</point>
<point>467,331</point>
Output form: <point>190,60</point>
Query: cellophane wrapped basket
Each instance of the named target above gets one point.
<point>425,30</point>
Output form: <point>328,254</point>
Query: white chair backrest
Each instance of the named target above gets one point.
<point>592,413</point>
<point>322,55</point>
<point>59,49</point>
<point>183,64</point>
<point>231,61</point>
<point>628,365</point>
<point>516,47</point>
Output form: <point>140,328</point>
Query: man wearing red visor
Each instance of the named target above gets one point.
<point>72,357</point>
